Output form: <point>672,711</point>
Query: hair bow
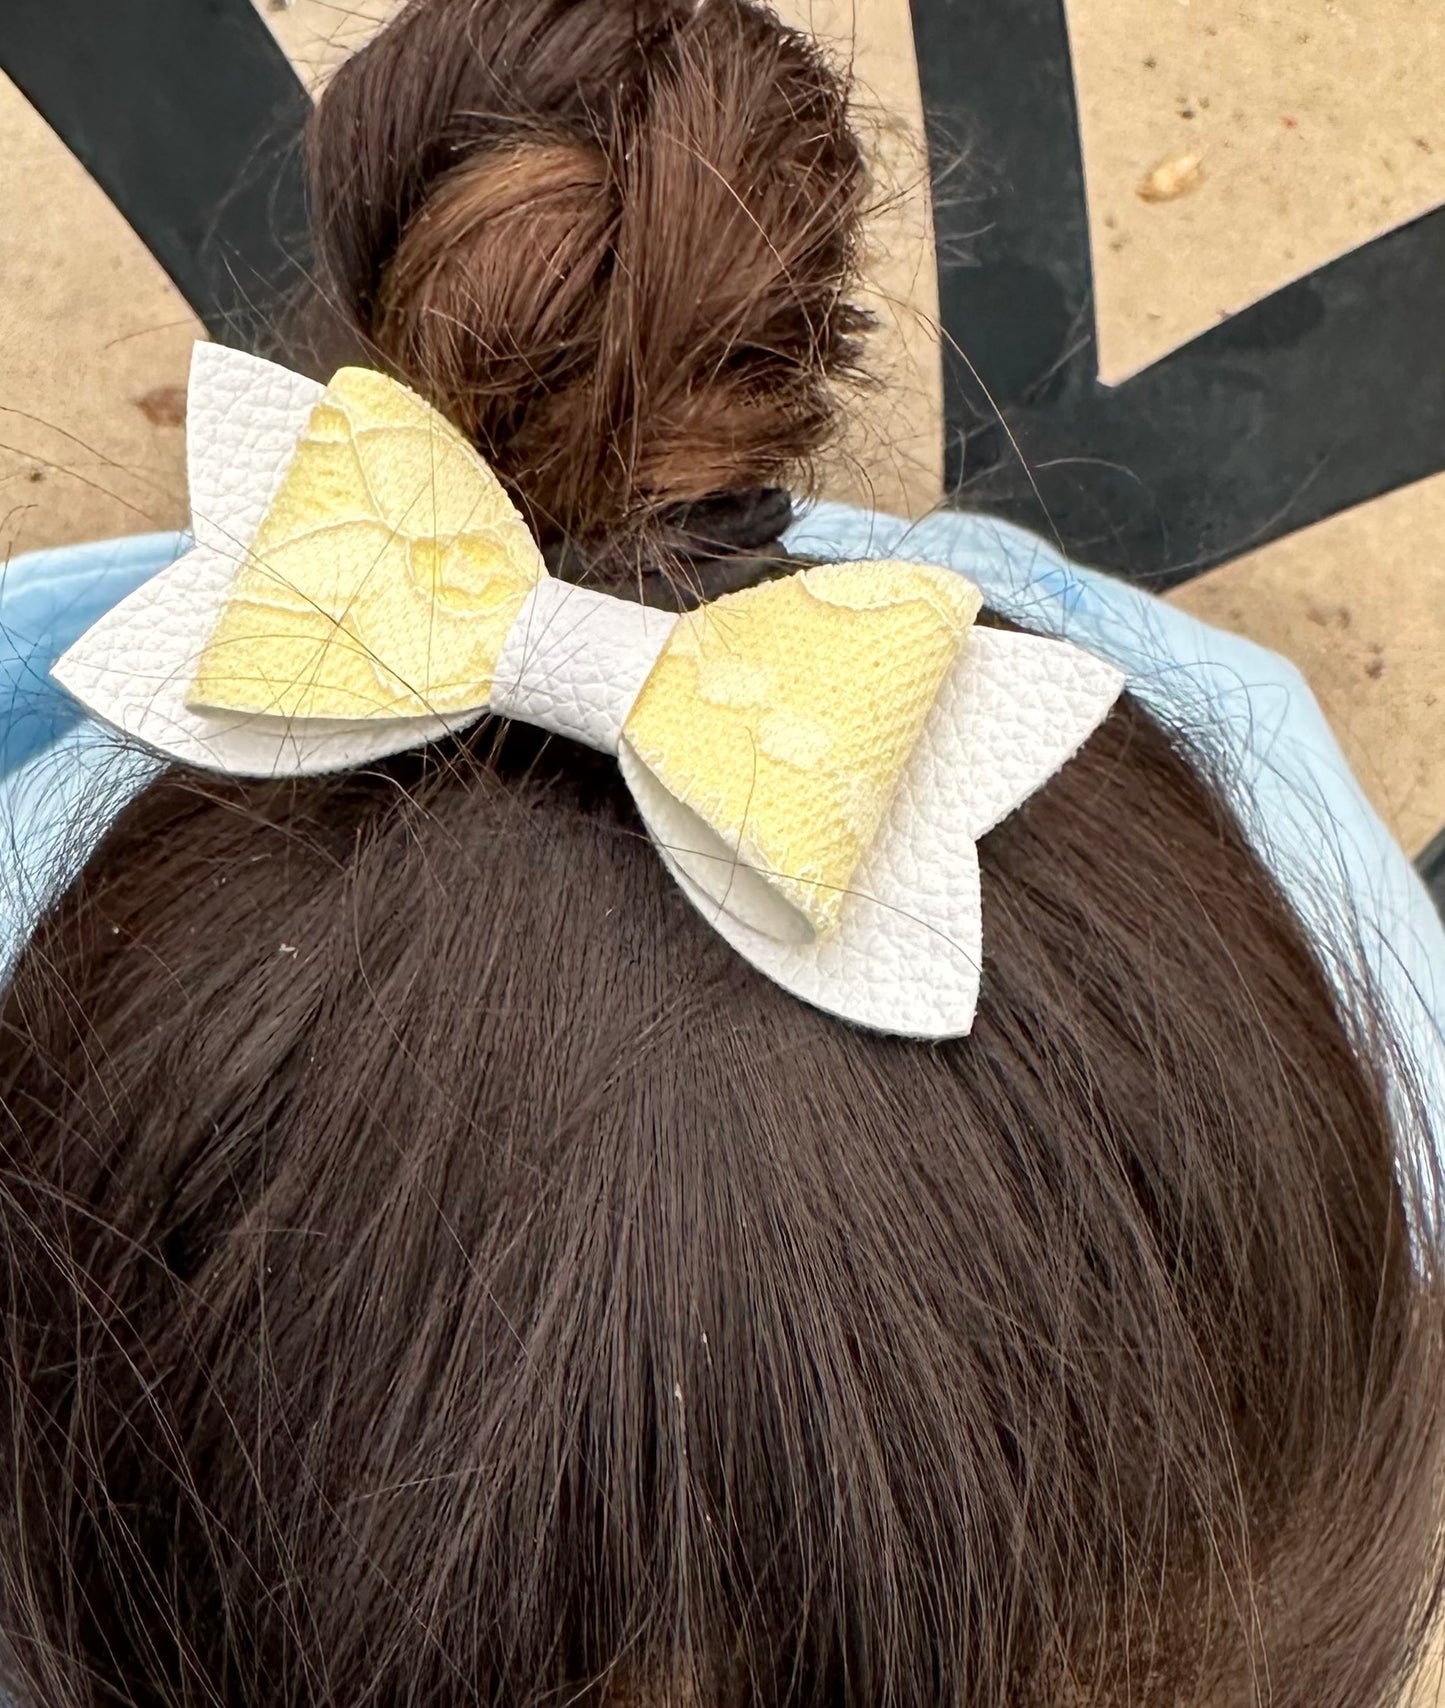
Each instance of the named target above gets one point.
<point>815,757</point>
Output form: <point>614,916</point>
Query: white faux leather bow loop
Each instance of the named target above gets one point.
<point>815,758</point>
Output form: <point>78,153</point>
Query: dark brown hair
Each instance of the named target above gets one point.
<point>437,1270</point>
<point>614,242</point>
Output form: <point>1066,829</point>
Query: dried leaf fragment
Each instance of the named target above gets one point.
<point>1171,178</point>
<point>165,406</point>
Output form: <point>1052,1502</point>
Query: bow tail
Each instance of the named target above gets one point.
<point>905,954</point>
<point>133,670</point>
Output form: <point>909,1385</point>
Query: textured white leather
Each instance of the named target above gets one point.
<point>574,661</point>
<point>1018,710</point>
<point>243,419</point>
<point>906,953</point>
<point>135,665</point>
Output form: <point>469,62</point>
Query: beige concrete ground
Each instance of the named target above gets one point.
<point>1316,124</point>
<point>93,342</point>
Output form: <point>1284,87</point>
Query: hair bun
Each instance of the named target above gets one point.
<point>613,240</point>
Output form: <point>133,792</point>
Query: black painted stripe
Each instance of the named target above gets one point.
<point>189,116</point>
<point>1326,394</point>
<point>1015,277</point>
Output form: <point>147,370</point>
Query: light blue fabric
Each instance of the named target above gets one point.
<point>62,777</point>
<point>47,600</point>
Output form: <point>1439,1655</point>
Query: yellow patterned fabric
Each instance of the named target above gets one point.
<point>783,715</point>
<point>384,577</point>
<point>390,567</point>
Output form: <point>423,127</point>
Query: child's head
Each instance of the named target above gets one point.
<point>437,1269</point>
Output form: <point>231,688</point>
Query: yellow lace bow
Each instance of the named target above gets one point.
<point>362,583</point>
